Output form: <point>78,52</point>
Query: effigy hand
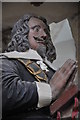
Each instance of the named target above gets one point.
<point>61,77</point>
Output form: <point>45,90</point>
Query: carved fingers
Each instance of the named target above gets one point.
<point>60,78</point>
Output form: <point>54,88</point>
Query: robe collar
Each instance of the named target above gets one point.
<point>29,54</point>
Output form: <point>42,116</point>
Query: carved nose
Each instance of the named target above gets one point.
<point>44,35</point>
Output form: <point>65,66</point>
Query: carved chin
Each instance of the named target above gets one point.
<point>42,50</point>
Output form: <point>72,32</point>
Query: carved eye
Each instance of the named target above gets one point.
<point>37,29</point>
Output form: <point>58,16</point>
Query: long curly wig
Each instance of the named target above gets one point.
<point>19,37</point>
